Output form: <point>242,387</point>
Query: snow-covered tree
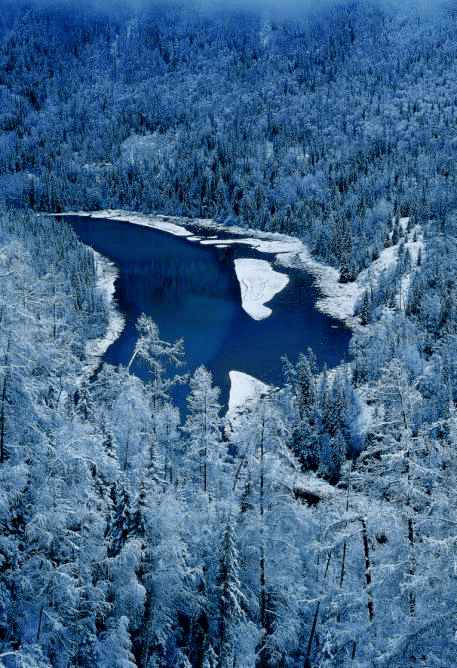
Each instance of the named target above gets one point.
<point>232,602</point>
<point>206,451</point>
<point>157,354</point>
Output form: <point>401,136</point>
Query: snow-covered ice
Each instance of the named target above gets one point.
<point>274,246</point>
<point>244,388</point>
<point>259,283</point>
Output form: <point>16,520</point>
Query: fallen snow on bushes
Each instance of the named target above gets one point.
<point>259,283</point>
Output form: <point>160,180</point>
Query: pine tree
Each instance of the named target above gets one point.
<point>166,427</point>
<point>158,355</point>
<point>365,310</point>
<point>392,454</point>
<point>122,521</point>
<point>116,648</point>
<point>305,386</point>
<point>210,659</point>
<point>85,403</point>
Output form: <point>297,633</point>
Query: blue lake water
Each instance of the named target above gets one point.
<point>191,291</point>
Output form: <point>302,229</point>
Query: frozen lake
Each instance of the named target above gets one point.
<point>191,291</point>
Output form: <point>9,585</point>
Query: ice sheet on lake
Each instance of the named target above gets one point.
<point>259,283</point>
<point>262,245</point>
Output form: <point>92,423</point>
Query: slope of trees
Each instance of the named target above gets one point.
<point>235,118</point>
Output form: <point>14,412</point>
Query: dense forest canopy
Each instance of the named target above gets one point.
<point>318,528</point>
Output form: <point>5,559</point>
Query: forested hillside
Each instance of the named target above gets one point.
<point>318,528</point>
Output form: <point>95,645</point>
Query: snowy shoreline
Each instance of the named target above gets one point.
<point>106,274</point>
<point>243,388</point>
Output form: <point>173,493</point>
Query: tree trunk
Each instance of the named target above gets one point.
<point>307,661</point>
<point>411,595</point>
<point>3,407</point>
<point>366,550</point>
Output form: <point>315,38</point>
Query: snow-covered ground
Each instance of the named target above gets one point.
<point>96,348</point>
<point>339,299</point>
<point>259,283</point>
<point>243,388</point>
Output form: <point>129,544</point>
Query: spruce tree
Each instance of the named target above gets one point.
<point>365,310</point>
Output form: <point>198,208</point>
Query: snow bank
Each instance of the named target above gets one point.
<point>244,388</point>
<point>339,299</point>
<point>164,223</point>
<point>95,348</point>
<point>336,299</point>
<point>259,283</point>
<point>313,489</point>
<point>262,245</point>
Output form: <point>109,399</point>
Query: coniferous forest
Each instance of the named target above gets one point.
<point>318,528</point>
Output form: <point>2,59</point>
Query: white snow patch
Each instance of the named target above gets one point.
<point>244,388</point>
<point>337,299</point>
<point>193,238</point>
<point>312,485</point>
<point>106,272</point>
<point>262,245</point>
<point>221,246</point>
<point>259,283</point>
